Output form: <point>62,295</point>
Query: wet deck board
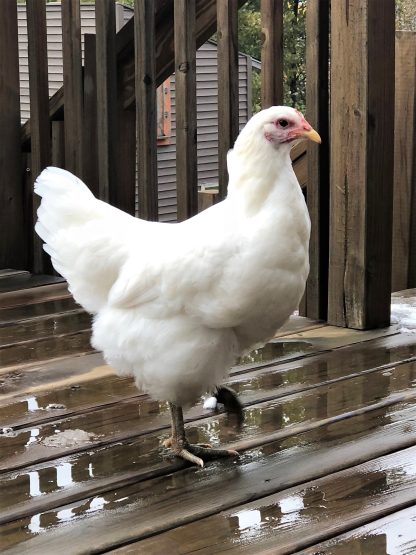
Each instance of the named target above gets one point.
<point>132,417</point>
<point>298,516</point>
<point>393,534</point>
<point>330,426</point>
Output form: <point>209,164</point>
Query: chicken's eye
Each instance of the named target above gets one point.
<point>283,122</point>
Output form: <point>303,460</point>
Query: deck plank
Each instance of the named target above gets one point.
<point>395,534</point>
<point>24,297</point>
<point>51,386</point>
<point>160,504</point>
<point>133,417</point>
<point>299,516</point>
<point>265,423</point>
<point>44,326</point>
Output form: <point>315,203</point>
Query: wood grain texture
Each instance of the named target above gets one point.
<point>227,40</point>
<point>160,504</point>
<point>90,163</point>
<point>73,93</point>
<point>185,94</point>
<point>299,516</point>
<point>361,163</point>
<point>317,102</point>
<point>146,126</point>
<point>271,53</point>
<point>13,252</point>
<point>404,155</point>
<point>394,533</point>
<point>39,113</point>
<point>106,86</point>
<point>58,144</point>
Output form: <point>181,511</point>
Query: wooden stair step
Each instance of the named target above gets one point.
<point>25,280</point>
<point>43,327</point>
<point>30,295</point>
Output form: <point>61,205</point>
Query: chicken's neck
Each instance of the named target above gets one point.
<point>256,175</point>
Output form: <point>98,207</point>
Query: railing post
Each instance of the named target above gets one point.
<point>73,95</point>
<point>39,116</point>
<point>271,53</point>
<point>228,125</point>
<point>90,128</point>
<point>186,131</point>
<point>317,113</point>
<point>13,252</point>
<point>362,146</point>
<point>144,25</point>
<point>106,74</point>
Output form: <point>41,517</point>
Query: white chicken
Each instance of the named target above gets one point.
<point>175,304</point>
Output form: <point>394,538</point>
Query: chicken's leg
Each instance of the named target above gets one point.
<point>195,454</point>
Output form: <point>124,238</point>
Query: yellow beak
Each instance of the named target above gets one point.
<point>312,135</point>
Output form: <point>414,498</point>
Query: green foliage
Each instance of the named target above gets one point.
<point>294,41</point>
<point>406,15</point>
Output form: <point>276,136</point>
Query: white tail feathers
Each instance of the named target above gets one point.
<point>86,238</point>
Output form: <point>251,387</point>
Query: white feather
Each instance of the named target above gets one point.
<point>175,304</point>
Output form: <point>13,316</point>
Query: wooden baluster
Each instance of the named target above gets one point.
<point>144,24</point>
<point>317,113</point>
<point>106,74</point>
<point>228,125</point>
<point>39,117</point>
<point>362,146</point>
<point>271,53</point>
<point>73,94</point>
<point>13,251</point>
<point>186,131</point>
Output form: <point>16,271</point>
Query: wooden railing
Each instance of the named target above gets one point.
<point>111,102</point>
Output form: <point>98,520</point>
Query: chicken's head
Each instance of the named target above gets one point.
<point>280,125</point>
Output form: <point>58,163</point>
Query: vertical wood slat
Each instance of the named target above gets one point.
<point>106,72</point>
<point>271,53</point>
<point>361,174</point>
<point>186,130</point>
<point>58,144</point>
<point>228,125</point>
<point>73,95</point>
<point>317,103</point>
<point>146,124</point>
<point>39,116</point>
<point>125,193</point>
<point>12,238</point>
<point>90,134</point>
<point>404,153</point>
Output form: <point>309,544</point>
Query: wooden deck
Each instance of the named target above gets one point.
<point>327,449</point>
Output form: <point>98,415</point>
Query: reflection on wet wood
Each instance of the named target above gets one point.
<point>298,516</point>
<point>133,417</point>
<point>83,462</point>
<point>36,350</point>
<point>289,377</point>
<point>35,489</point>
<point>158,505</point>
<point>24,280</point>
<point>36,295</point>
<point>42,327</point>
<point>394,534</point>
<point>26,312</point>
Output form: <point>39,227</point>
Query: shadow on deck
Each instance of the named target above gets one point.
<point>327,448</point>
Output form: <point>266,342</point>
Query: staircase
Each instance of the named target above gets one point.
<point>39,320</point>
